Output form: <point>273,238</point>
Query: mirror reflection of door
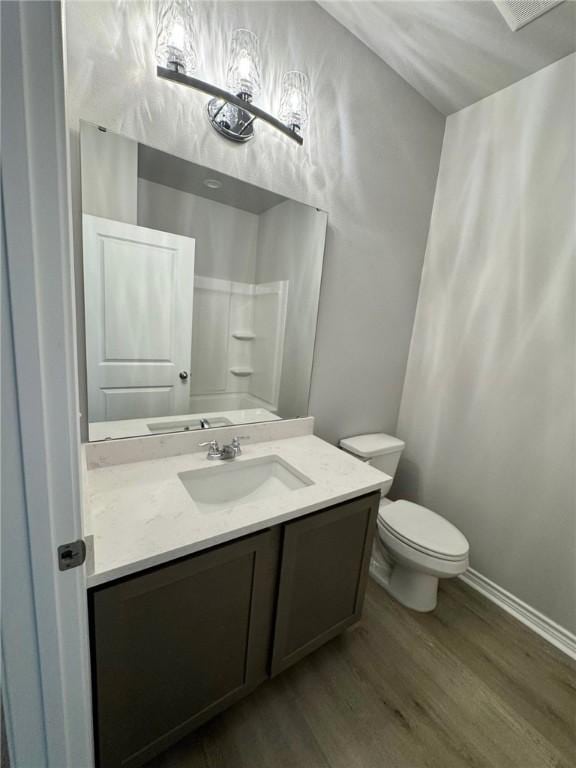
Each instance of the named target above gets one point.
<point>138,295</point>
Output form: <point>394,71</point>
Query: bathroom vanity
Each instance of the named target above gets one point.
<point>180,634</point>
<point>205,577</point>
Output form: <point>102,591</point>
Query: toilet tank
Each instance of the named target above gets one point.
<point>382,451</point>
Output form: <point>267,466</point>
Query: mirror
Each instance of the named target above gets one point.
<point>200,293</point>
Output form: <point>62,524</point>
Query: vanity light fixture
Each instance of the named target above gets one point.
<point>231,111</point>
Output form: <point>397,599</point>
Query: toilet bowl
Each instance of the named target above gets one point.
<point>414,546</point>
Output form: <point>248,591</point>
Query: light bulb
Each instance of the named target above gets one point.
<point>294,101</point>
<point>243,67</point>
<point>176,35</point>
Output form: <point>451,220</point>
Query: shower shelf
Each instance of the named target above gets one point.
<point>243,335</point>
<point>241,371</point>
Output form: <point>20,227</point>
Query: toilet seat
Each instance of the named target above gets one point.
<point>423,530</point>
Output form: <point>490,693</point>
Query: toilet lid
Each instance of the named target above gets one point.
<point>423,529</point>
<point>375,444</point>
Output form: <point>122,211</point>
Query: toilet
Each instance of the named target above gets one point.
<point>414,546</point>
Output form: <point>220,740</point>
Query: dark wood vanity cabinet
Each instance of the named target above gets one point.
<point>323,572</point>
<point>174,645</point>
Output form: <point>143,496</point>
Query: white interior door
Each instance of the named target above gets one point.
<point>138,296</point>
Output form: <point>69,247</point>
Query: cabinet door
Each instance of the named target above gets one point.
<point>174,646</point>
<point>323,575</point>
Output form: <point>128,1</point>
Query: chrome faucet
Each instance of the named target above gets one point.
<point>204,423</point>
<point>226,452</point>
<point>213,450</point>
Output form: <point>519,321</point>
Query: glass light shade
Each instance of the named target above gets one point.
<point>244,65</point>
<point>294,100</point>
<point>175,36</point>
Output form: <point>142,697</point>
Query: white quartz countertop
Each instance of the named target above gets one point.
<point>141,515</point>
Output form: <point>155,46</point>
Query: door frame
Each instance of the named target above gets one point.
<point>48,671</point>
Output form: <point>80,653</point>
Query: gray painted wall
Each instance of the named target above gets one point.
<point>370,159</point>
<point>226,237</point>
<point>109,169</point>
<point>488,405</point>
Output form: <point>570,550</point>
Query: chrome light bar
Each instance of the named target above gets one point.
<point>243,129</point>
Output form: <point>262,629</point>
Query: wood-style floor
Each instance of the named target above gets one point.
<point>464,687</point>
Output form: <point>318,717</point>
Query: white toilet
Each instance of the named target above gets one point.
<point>415,546</point>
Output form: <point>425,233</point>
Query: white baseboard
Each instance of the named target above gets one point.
<point>536,621</point>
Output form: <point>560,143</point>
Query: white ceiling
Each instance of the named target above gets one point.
<point>455,52</point>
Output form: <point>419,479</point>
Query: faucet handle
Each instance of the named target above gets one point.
<point>214,449</point>
<point>236,443</point>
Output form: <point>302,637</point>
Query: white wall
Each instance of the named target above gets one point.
<point>226,237</point>
<point>370,159</point>
<point>488,405</point>
<point>291,240</point>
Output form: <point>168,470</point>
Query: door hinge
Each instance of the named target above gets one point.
<point>71,555</point>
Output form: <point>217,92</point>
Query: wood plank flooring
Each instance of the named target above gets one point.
<point>464,687</point>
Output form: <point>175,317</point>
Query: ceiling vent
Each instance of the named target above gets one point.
<point>518,13</point>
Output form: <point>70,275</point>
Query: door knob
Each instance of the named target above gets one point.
<point>183,375</point>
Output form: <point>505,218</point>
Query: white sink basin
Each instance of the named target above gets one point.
<point>186,425</point>
<point>239,482</point>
